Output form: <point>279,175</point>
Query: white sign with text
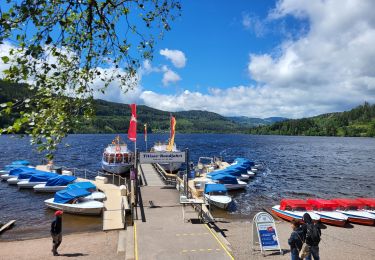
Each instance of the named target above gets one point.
<point>162,157</point>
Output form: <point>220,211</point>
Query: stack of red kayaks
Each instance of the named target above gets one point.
<point>290,209</point>
<point>354,210</point>
<point>326,209</point>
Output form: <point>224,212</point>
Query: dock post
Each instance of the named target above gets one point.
<point>186,188</point>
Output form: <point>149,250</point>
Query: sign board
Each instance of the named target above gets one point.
<point>162,157</point>
<point>264,232</point>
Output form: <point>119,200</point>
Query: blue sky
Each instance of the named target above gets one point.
<point>261,58</point>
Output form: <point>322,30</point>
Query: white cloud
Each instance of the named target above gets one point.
<point>169,76</point>
<point>4,51</point>
<point>177,57</point>
<point>325,69</point>
<point>328,69</point>
<point>254,23</point>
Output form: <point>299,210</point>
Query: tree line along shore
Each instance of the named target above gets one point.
<point>113,117</point>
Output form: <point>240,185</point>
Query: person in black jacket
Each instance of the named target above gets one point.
<point>56,228</point>
<point>312,238</point>
<point>296,239</point>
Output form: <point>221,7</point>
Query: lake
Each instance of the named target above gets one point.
<point>297,167</point>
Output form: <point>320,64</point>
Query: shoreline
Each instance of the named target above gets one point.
<point>353,242</point>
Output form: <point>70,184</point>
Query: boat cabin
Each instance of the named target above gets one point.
<point>368,202</point>
<point>349,204</point>
<point>322,204</point>
<point>294,204</point>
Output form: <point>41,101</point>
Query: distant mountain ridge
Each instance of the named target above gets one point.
<point>254,121</point>
<point>114,118</point>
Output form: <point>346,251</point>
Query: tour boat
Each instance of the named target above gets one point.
<point>326,209</point>
<point>90,187</point>
<point>354,210</point>
<point>37,178</point>
<point>75,201</point>
<point>230,182</point>
<point>169,146</point>
<point>216,194</point>
<point>55,184</point>
<point>117,158</point>
<point>290,209</point>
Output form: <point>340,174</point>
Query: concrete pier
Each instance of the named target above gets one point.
<point>165,234</point>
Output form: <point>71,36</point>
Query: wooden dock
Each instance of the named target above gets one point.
<point>114,205</point>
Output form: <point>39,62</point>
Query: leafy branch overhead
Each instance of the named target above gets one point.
<point>60,48</point>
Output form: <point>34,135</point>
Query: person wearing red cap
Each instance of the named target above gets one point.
<point>56,228</point>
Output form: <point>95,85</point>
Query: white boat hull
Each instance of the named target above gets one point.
<point>220,201</point>
<point>6,176</point>
<point>359,216</point>
<point>332,217</point>
<point>14,180</point>
<point>171,167</point>
<point>28,185</point>
<point>43,188</point>
<point>293,214</point>
<point>2,172</point>
<point>85,207</point>
<point>116,168</point>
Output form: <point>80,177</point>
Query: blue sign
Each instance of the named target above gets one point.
<point>268,237</point>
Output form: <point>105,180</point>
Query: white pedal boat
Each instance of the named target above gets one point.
<point>216,194</point>
<point>290,209</point>
<point>75,201</point>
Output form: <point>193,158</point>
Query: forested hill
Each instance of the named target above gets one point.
<point>359,121</point>
<point>114,117</point>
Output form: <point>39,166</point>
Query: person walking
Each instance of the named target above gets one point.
<point>56,228</point>
<point>312,234</point>
<point>296,239</point>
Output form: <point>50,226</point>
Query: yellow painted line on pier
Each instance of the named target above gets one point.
<point>200,250</point>
<point>221,244</point>
<point>135,242</point>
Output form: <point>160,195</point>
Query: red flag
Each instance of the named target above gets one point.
<point>173,126</point>
<point>132,132</point>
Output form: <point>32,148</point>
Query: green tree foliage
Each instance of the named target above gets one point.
<point>359,121</point>
<point>62,46</point>
<point>114,117</point>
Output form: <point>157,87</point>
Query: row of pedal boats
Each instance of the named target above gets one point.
<point>338,211</point>
<point>72,196</point>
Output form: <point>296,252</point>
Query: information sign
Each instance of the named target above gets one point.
<point>264,232</point>
<point>162,157</point>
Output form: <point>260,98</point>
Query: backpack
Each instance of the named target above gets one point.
<point>313,234</point>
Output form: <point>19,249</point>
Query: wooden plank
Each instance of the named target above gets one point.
<point>7,225</point>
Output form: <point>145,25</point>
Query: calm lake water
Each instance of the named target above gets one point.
<point>297,167</point>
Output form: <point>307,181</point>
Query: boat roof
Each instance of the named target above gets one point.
<point>19,170</point>
<point>348,202</point>
<point>81,185</point>
<point>214,187</point>
<point>369,202</point>
<point>20,162</point>
<point>66,195</point>
<point>294,203</point>
<point>244,161</point>
<point>322,204</point>
<point>42,177</point>
<point>60,180</point>
<point>227,178</point>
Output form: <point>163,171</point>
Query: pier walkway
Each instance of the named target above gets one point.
<point>113,212</point>
<point>165,233</point>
